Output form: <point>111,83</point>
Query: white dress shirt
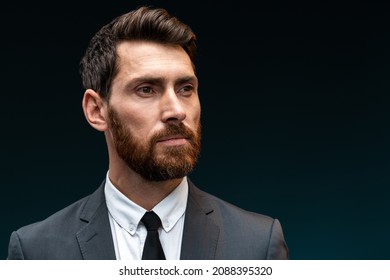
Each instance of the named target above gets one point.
<point>129,234</point>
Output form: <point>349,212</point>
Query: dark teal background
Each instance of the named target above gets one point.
<point>295,110</point>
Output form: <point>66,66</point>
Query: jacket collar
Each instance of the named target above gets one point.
<point>95,238</point>
<point>201,233</point>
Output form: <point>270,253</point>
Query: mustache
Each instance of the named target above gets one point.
<point>172,130</point>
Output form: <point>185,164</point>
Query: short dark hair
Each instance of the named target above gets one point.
<point>98,66</point>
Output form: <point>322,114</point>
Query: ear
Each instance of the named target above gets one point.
<point>94,108</point>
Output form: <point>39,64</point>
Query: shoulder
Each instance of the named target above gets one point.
<point>43,239</point>
<point>61,220</point>
<point>69,217</point>
<point>242,234</point>
<point>225,210</point>
<point>59,226</point>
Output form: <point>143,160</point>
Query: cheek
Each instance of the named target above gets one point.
<point>195,112</point>
<point>139,123</point>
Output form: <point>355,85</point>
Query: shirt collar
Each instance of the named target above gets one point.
<point>128,214</point>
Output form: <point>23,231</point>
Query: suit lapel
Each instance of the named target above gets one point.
<point>95,238</point>
<point>200,235</point>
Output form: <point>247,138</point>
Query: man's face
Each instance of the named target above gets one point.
<point>154,110</point>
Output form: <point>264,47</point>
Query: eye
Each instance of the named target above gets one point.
<point>186,90</point>
<point>144,91</point>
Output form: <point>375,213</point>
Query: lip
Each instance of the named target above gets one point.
<point>171,137</point>
<point>173,140</point>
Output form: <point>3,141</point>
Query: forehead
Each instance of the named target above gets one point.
<point>151,56</point>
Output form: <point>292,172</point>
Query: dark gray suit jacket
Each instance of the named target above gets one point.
<point>213,229</point>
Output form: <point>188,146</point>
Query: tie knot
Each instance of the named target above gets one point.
<point>151,221</point>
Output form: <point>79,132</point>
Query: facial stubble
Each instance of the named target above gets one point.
<point>156,163</point>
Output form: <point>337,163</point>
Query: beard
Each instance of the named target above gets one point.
<point>170,162</point>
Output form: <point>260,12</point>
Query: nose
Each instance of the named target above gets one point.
<point>172,108</point>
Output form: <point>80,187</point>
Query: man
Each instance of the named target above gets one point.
<point>141,92</point>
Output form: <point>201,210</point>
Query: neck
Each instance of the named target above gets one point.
<point>146,194</point>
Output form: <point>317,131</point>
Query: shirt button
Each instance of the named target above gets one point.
<point>166,224</point>
<point>131,228</point>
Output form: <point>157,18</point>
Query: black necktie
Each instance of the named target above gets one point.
<point>152,248</point>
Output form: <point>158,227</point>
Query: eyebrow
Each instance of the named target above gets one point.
<point>158,80</point>
<point>186,79</point>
